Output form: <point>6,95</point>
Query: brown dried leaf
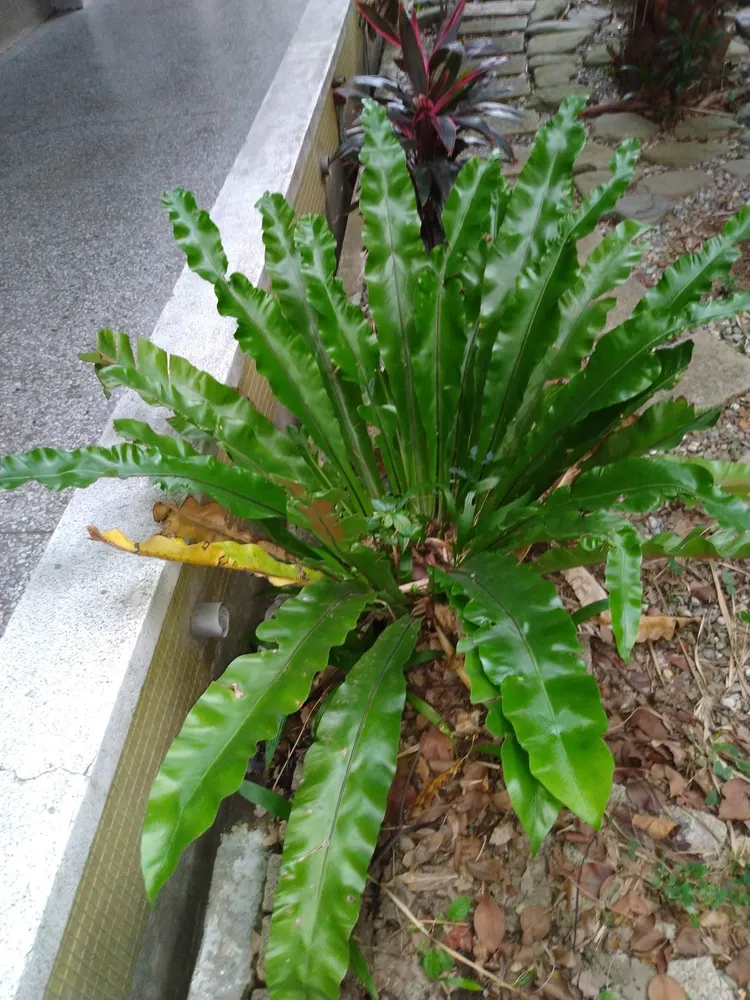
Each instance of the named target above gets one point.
<point>646,935</point>
<point>586,588</point>
<point>489,924</point>
<point>631,902</point>
<point>502,834</point>
<point>739,968</point>
<point>435,745</point>
<point>690,942</point>
<point>655,627</point>
<point>557,988</point>
<point>459,938</point>
<point>593,876</point>
<point>657,827</point>
<point>199,522</point>
<point>487,869</point>
<point>535,923</point>
<point>650,723</point>
<point>644,796</point>
<point>665,988</point>
<point>736,800</point>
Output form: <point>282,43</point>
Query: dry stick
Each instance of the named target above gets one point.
<point>735,667</point>
<point>455,955</point>
<point>652,651</point>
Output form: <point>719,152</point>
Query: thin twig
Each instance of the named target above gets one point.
<point>455,955</point>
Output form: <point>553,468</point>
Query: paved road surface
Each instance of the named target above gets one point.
<point>102,110</point>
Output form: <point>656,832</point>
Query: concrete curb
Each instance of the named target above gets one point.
<point>78,647</point>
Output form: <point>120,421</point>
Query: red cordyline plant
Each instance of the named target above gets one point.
<point>440,113</point>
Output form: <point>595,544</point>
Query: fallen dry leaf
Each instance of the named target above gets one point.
<point>593,876</point>
<point>583,584</point>
<point>557,988</point>
<point>646,935</point>
<point>675,779</point>
<point>689,942</point>
<point>459,938</point>
<point>487,869</point>
<point>631,902</point>
<point>535,923</point>
<point>644,796</point>
<point>655,627</point>
<point>435,745</point>
<point>489,924</point>
<point>425,881</point>
<point>739,967</point>
<point>665,988</point>
<point>736,800</point>
<point>657,827</point>
<point>650,723</point>
<point>502,834</point>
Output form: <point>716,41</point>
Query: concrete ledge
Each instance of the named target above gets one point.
<point>77,650</point>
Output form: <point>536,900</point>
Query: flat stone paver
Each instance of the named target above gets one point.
<point>677,183</point>
<point>706,127</point>
<point>738,168</point>
<point>553,76</point>
<point>521,154</point>
<point>547,59</point>
<point>502,45</point>
<point>737,50</point>
<point>530,124</point>
<point>627,125</point>
<point>645,207</point>
<point>593,157</point>
<point>513,66</point>
<point>103,110</point>
<point>716,374</point>
<point>682,154</point>
<point>498,8</point>
<point>597,55</point>
<point>588,180</point>
<point>547,9</point>
<point>564,41</point>
<point>557,27</point>
<point>518,86</point>
<point>627,296</point>
<point>492,25</point>
<point>552,97</point>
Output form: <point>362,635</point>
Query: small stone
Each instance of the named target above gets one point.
<point>647,207</point>
<point>565,41</point>
<point>552,97</point>
<point>743,115</point>
<point>738,168</point>
<point>703,833</point>
<point>705,127</point>
<point>555,76</point>
<point>682,154</point>
<point>625,977</point>
<point>731,701</point>
<point>586,182</point>
<point>597,55</point>
<point>492,25</point>
<point>677,184</point>
<point>737,50</point>
<point>700,978</point>
<point>547,9</point>
<point>745,138</point>
<point>742,22</point>
<point>628,125</point>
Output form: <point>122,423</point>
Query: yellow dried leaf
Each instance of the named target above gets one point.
<point>207,522</point>
<point>651,627</point>
<point>249,558</point>
<point>587,589</point>
<point>657,827</point>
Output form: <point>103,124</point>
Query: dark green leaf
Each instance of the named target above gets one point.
<point>335,820</point>
<point>360,968</point>
<point>270,801</point>
<point>527,644</point>
<point>623,581</point>
<point>196,235</point>
<point>208,759</point>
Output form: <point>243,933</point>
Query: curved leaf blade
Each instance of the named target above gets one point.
<point>623,581</point>
<point>196,235</point>
<point>395,260</point>
<point>527,644</point>
<point>240,490</point>
<point>336,816</point>
<point>208,759</point>
<point>536,808</point>
<point>243,556</point>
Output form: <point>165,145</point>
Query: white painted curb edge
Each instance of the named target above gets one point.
<point>76,651</point>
